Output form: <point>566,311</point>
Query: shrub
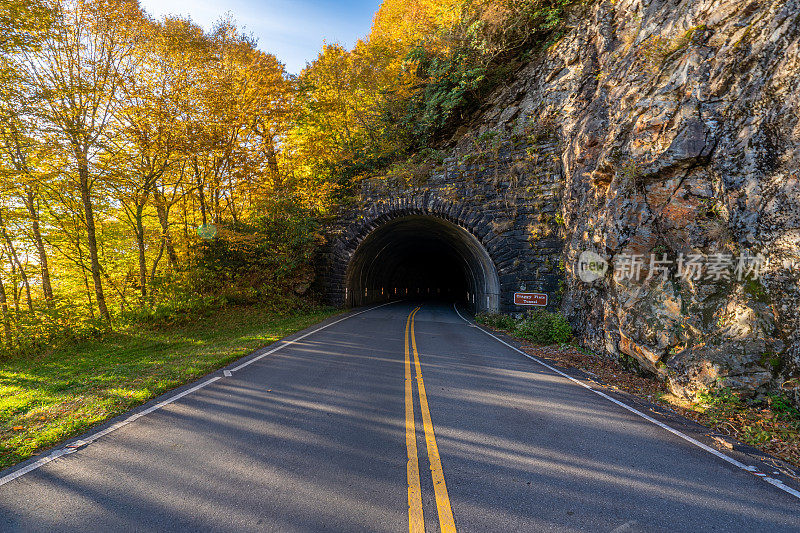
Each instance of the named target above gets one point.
<point>783,406</point>
<point>496,320</point>
<point>463,62</point>
<point>484,318</point>
<point>246,260</point>
<point>506,322</point>
<point>544,327</point>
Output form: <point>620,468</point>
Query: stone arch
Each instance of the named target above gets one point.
<point>381,245</point>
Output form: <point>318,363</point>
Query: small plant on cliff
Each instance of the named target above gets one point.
<point>755,423</point>
<point>657,50</point>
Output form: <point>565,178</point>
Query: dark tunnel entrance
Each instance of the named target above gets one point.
<point>421,256</point>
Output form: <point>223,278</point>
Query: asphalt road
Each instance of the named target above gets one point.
<point>313,437</point>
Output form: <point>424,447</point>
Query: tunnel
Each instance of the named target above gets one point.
<point>422,257</point>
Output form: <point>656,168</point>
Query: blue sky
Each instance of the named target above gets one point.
<point>293,30</point>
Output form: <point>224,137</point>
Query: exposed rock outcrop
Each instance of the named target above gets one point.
<point>679,128</point>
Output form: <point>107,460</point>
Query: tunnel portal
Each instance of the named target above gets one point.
<point>422,256</point>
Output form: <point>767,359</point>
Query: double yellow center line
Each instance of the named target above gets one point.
<point>416,522</point>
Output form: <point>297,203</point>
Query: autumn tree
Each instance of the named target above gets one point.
<point>23,25</point>
<point>25,169</point>
<point>147,139</point>
<point>145,162</point>
<point>77,73</point>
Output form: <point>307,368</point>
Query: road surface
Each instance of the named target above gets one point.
<point>390,420</point>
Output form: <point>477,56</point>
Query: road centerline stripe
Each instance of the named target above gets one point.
<point>416,523</point>
<point>446,522</point>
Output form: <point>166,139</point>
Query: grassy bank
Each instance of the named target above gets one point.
<point>49,398</point>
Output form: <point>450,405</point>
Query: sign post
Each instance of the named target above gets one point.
<point>530,298</point>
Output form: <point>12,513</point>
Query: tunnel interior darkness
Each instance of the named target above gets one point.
<point>422,256</point>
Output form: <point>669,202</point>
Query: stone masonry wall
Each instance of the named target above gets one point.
<point>505,190</point>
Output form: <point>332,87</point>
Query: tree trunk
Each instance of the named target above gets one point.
<point>186,246</point>
<point>202,198</point>
<point>272,158</point>
<point>14,287</point>
<point>140,247</point>
<point>47,288</point>
<point>200,193</point>
<point>24,276</point>
<point>215,196</point>
<point>15,259</point>
<point>83,174</point>
<point>155,266</point>
<point>163,218</point>
<point>4,310</point>
<point>186,222</point>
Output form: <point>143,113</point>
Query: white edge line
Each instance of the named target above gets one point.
<point>289,343</point>
<point>55,454</point>
<point>775,482</point>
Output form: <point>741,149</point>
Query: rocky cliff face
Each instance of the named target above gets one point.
<point>679,136</point>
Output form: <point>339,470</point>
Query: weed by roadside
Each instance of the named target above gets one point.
<point>497,321</point>
<point>542,327</point>
<point>771,425</point>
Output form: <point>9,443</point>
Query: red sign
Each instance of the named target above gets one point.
<point>530,298</point>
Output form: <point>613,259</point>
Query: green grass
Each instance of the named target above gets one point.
<point>47,399</point>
